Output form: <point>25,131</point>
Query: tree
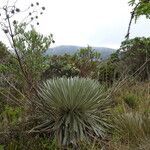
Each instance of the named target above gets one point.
<point>3,51</point>
<point>32,47</point>
<point>135,55</point>
<point>87,60</point>
<point>83,63</point>
<point>140,8</point>
<point>26,44</point>
<point>108,70</point>
<point>4,57</point>
<point>60,66</point>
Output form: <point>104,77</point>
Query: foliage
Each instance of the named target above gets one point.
<point>83,63</point>
<point>88,53</point>
<point>131,100</point>
<point>60,66</point>
<point>15,32</point>
<point>75,109</point>
<point>3,51</point>
<point>11,115</point>
<point>141,7</point>
<point>86,61</point>
<point>5,56</point>
<point>76,112</point>
<point>32,47</point>
<point>5,63</point>
<point>1,147</point>
<point>108,71</point>
<point>135,53</point>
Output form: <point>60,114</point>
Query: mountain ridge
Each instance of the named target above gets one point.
<point>71,49</point>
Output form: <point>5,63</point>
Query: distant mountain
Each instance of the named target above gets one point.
<point>69,49</point>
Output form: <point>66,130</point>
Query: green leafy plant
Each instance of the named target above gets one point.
<point>135,57</point>
<point>61,66</point>
<point>131,100</point>
<point>140,8</point>
<point>108,71</point>
<point>74,109</point>
<point>1,147</point>
<point>24,43</point>
<point>32,47</point>
<point>87,60</point>
<point>11,115</point>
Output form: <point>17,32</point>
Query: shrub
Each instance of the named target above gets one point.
<point>87,60</point>
<point>135,55</point>
<point>74,109</point>
<point>61,66</point>
<point>108,71</point>
<point>11,115</point>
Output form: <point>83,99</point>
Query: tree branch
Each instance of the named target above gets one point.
<point>131,19</point>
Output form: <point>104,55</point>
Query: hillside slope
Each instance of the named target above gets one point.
<point>69,49</point>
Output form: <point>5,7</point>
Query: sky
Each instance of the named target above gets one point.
<point>86,22</point>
